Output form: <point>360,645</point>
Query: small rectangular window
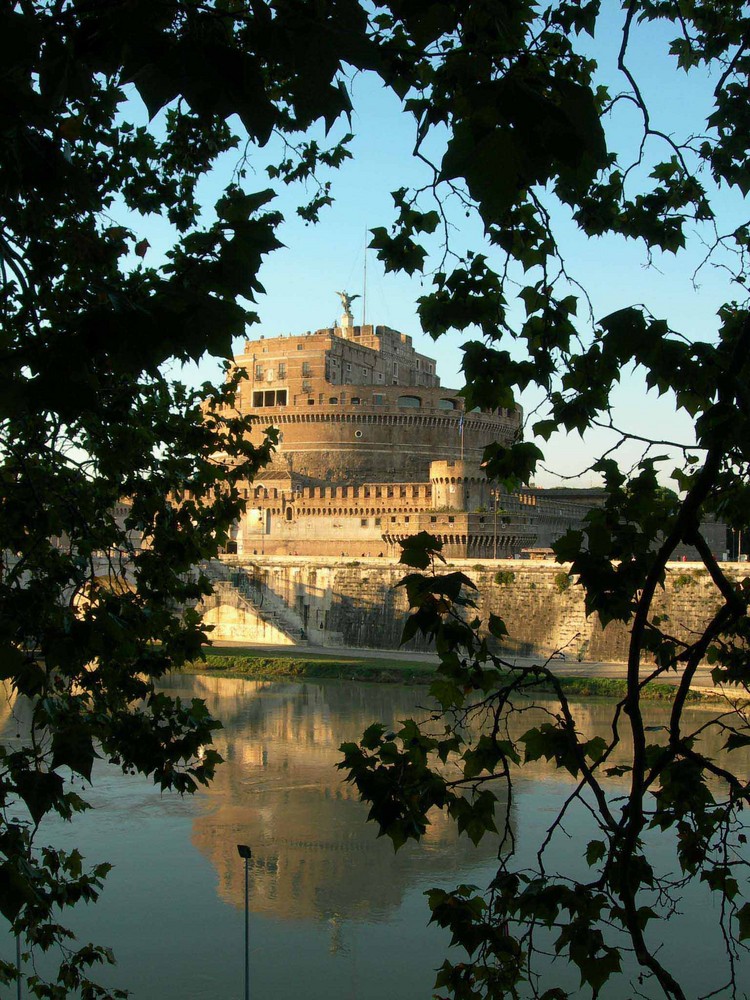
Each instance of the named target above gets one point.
<point>257,399</point>
<point>433,520</point>
<point>406,520</point>
<point>377,522</point>
<point>282,369</point>
<point>364,522</point>
<point>377,399</point>
<point>281,397</point>
<point>259,371</point>
<point>306,369</point>
<point>451,520</point>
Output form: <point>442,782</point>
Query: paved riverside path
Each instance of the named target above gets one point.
<point>564,668</point>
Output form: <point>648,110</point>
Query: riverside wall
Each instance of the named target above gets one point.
<point>357,603</point>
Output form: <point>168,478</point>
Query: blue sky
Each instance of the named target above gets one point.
<point>302,279</point>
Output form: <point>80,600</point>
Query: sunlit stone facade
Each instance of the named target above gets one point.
<point>372,449</point>
<point>357,404</point>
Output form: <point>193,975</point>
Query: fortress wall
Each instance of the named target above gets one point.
<point>358,443</point>
<point>543,611</point>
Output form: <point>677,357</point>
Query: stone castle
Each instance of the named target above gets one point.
<point>372,449</point>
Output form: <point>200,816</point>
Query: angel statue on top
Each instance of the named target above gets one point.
<point>346,302</point>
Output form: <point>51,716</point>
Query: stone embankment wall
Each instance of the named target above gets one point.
<point>356,603</point>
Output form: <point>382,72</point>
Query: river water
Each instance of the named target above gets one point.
<point>334,914</point>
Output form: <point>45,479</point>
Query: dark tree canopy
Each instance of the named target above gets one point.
<point>117,481</point>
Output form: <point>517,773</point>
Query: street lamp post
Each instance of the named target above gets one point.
<point>245,853</point>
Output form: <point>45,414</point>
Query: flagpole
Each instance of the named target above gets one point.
<point>364,286</point>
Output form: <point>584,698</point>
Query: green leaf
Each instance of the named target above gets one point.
<point>73,747</point>
<point>15,891</point>
<point>595,851</point>
<point>11,660</point>
<point>419,550</point>
<point>735,741</point>
<point>497,627</point>
<point>372,736</point>
<point>742,917</point>
<point>40,790</point>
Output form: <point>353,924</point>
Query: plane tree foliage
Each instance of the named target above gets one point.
<point>524,109</point>
<point>117,481</point>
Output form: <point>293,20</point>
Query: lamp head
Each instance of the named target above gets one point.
<point>244,851</point>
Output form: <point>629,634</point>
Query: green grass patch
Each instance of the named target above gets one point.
<point>243,663</point>
<point>616,688</point>
<point>239,664</point>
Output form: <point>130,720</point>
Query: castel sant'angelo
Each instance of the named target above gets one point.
<point>372,449</point>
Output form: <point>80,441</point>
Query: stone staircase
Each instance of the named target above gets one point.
<point>237,587</point>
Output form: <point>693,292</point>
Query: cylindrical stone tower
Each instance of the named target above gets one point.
<point>458,485</point>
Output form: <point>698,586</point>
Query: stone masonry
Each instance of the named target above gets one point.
<point>357,603</point>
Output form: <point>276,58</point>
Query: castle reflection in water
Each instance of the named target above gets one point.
<point>314,854</point>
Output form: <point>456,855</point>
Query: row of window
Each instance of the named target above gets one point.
<point>268,373</point>
<point>270,397</point>
<point>377,521</point>
<point>280,397</point>
<point>280,372</point>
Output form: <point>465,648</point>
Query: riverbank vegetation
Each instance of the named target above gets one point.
<point>395,671</point>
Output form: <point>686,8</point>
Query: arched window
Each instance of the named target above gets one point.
<point>447,404</point>
<point>413,401</point>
